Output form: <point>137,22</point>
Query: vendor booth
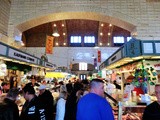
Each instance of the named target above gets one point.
<point>16,63</point>
<point>137,63</point>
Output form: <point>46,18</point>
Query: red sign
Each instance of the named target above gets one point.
<point>99,56</point>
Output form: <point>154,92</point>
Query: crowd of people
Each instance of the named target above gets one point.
<point>78,100</point>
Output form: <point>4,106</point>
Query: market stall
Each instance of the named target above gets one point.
<point>138,64</point>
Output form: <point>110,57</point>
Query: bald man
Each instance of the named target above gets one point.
<point>93,106</point>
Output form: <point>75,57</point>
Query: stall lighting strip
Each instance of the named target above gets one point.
<point>21,62</point>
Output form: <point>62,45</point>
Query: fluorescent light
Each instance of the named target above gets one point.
<point>156,57</point>
<point>128,60</point>
<point>136,58</point>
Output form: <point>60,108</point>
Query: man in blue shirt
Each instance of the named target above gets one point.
<point>94,106</point>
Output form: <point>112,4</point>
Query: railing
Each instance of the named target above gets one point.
<point>111,98</point>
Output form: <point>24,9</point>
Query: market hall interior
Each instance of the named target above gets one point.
<point>26,24</point>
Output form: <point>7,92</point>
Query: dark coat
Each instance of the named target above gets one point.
<point>71,107</point>
<point>33,110</point>
<point>9,110</point>
<point>47,102</point>
<point>152,112</point>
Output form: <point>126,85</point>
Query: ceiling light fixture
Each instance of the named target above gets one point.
<point>102,24</point>
<point>101,34</point>
<point>55,34</point>
<point>110,25</point>
<point>57,44</point>
<point>55,31</point>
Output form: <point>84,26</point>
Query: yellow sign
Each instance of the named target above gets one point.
<point>55,74</point>
<point>49,45</point>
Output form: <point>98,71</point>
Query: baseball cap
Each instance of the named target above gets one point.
<point>41,87</point>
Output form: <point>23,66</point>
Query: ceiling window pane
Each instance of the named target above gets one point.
<point>83,66</point>
<point>118,39</point>
<point>75,39</point>
<point>89,39</point>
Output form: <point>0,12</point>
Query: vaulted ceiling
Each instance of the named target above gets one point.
<point>103,32</point>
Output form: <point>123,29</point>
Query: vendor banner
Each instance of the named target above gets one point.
<point>49,44</point>
<point>95,62</point>
<point>99,56</point>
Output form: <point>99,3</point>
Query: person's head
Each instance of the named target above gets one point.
<point>77,86</point>
<point>33,79</point>
<point>97,87</point>
<point>61,83</point>
<point>44,82</point>
<point>5,85</point>
<point>42,89</point>
<point>63,95</point>
<point>28,92</point>
<point>157,91</point>
<point>12,93</point>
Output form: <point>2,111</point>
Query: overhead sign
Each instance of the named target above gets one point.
<point>99,56</point>
<point>95,62</point>
<point>49,44</point>
<point>102,66</point>
<point>47,64</point>
<point>21,56</point>
<point>133,48</point>
<point>117,56</point>
<point>3,50</point>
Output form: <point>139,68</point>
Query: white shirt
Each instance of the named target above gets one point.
<point>60,109</point>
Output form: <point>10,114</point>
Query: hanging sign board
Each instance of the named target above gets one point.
<point>117,56</point>
<point>49,44</point>
<point>99,56</point>
<point>95,62</point>
<point>21,56</point>
<point>47,64</point>
<point>133,48</point>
